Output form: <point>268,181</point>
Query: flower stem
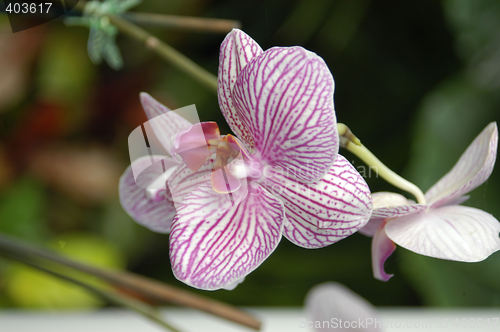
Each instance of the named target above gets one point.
<point>107,295</point>
<point>148,288</point>
<point>351,143</point>
<point>192,23</point>
<point>165,51</point>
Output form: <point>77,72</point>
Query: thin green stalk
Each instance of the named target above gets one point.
<point>351,143</point>
<point>148,288</point>
<point>107,295</point>
<point>166,51</point>
<point>190,23</point>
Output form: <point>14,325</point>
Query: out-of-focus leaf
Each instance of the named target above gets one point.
<point>88,174</point>
<point>132,239</point>
<point>64,73</point>
<point>476,24</point>
<point>30,288</point>
<point>21,210</point>
<point>5,168</point>
<point>445,283</point>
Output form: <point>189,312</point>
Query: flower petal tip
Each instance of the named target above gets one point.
<point>151,106</point>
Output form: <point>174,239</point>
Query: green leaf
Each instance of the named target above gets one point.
<point>21,211</point>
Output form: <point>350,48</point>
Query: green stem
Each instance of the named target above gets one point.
<point>191,23</point>
<point>148,288</point>
<point>107,295</point>
<point>165,51</point>
<point>351,143</point>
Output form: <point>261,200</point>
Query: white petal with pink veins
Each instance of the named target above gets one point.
<point>457,233</point>
<point>472,169</point>
<point>285,98</point>
<point>215,243</point>
<point>323,213</point>
<point>387,205</point>
<point>236,51</point>
<point>153,210</point>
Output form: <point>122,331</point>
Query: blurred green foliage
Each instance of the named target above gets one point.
<point>29,288</point>
<point>416,81</point>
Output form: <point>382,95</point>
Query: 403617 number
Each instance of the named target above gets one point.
<point>28,8</point>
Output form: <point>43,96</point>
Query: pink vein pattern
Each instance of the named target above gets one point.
<point>472,169</point>
<point>285,98</point>
<point>236,51</point>
<point>228,242</point>
<point>323,213</point>
<point>154,213</point>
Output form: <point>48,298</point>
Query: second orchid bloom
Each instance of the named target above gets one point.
<point>442,228</point>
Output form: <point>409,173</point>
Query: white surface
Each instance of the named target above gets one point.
<point>274,320</point>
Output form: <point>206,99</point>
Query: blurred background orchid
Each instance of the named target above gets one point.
<point>331,306</point>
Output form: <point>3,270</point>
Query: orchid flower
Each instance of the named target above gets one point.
<point>334,307</point>
<point>441,228</point>
<point>229,199</point>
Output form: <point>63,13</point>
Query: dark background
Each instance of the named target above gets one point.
<point>415,80</point>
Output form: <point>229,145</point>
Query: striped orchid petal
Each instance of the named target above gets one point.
<point>382,249</point>
<point>285,98</point>
<point>236,51</point>
<point>332,301</point>
<point>323,213</point>
<point>472,169</point>
<point>456,232</point>
<point>387,205</point>
<point>214,243</point>
<point>151,106</point>
<point>145,199</point>
<point>397,211</point>
<point>163,125</point>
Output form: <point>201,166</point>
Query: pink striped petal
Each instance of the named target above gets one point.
<point>390,205</point>
<point>163,125</point>
<point>236,51</point>
<point>472,169</point>
<point>214,244</point>
<point>382,249</point>
<point>323,213</point>
<point>185,181</point>
<point>285,98</point>
<point>397,211</point>
<point>154,211</point>
<point>331,300</point>
<point>456,232</point>
<point>387,205</point>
